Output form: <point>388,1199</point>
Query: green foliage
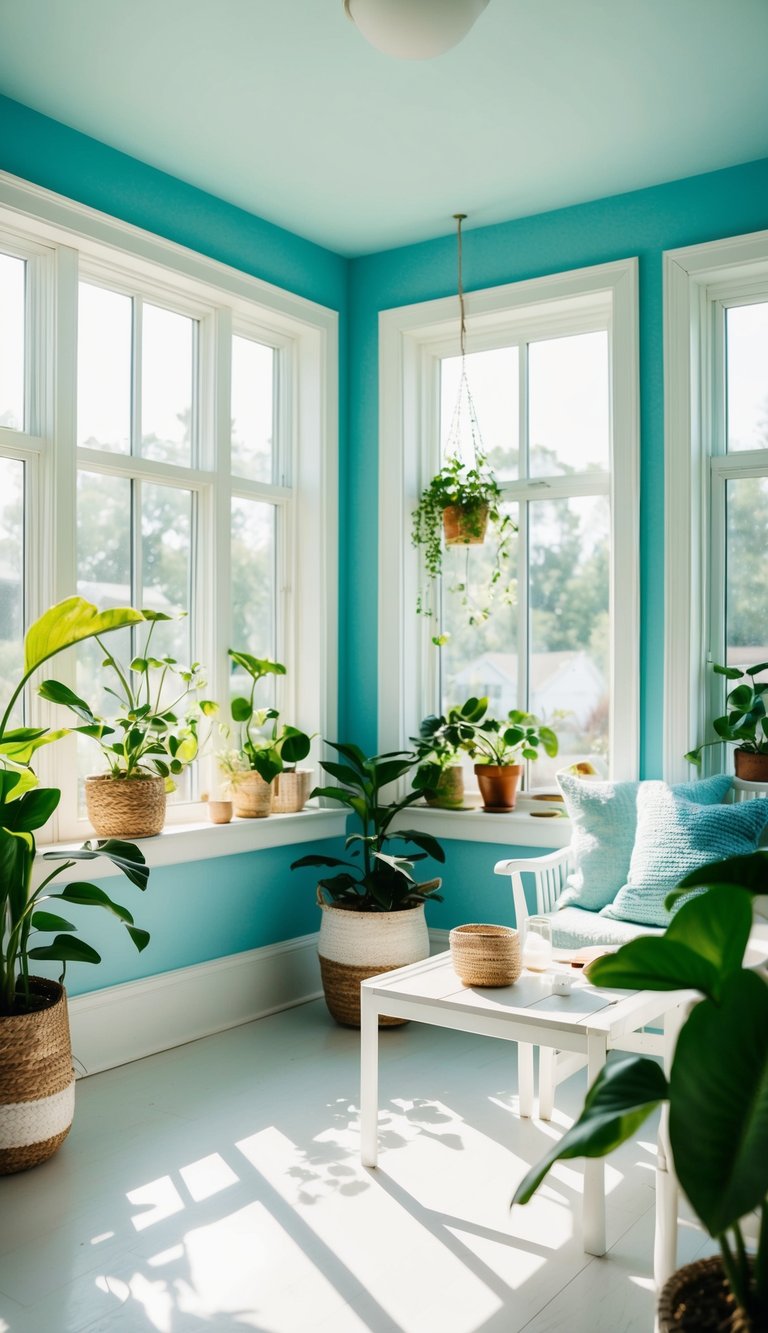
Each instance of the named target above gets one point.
<point>374,880</point>
<point>264,753</point>
<point>744,724</point>
<point>489,740</point>
<point>718,1085</point>
<point>475,491</point>
<point>25,807</point>
<point>435,749</point>
<point>151,734</point>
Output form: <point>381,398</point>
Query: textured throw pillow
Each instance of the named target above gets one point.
<point>675,836</point>
<point>604,819</point>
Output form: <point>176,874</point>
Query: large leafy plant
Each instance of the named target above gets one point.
<point>374,880</point>
<point>25,807</point>
<point>265,752</point>
<point>442,740</point>
<point>155,732</point>
<point>500,742</point>
<point>718,1085</point>
<point>745,724</point>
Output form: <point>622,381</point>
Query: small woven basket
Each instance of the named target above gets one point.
<point>251,796</point>
<point>125,807</point>
<point>485,955</point>
<point>290,791</point>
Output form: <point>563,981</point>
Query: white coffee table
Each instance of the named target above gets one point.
<point>588,1023</point>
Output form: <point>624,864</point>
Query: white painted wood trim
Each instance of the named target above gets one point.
<point>516,829</point>
<point>122,1023</point>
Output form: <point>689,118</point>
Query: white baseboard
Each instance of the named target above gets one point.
<point>122,1023</point>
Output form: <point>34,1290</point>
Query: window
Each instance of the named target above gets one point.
<point>552,369</point>
<point>717,479</point>
<point>166,426</point>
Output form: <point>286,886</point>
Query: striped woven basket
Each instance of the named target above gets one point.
<point>125,807</point>
<point>37,1081</point>
<point>290,791</point>
<point>356,945</point>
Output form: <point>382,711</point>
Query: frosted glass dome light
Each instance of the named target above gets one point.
<point>414,29</point>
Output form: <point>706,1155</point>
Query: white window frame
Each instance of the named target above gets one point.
<point>65,240</point>
<point>699,281</point>
<point>411,338</point>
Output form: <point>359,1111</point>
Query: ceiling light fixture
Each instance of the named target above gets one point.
<point>414,31</point>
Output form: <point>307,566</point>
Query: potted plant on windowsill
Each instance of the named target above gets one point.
<point>440,775</point>
<point>498,747</point>
<point>455,509</point>
<point>36,1074</point>
<point>373,909</point>
<point>717,1091</point>
<point>147,745</point>
<point>262,773</point>
<point>744,724</point>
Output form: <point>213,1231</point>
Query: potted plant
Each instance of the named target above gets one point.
<point>147,745</point>
<point>716,1091</point>
<point>744,724</point>
<point>440,775</point>
<point>36,1074</point>
<point>498,748</point>
<point>373,909</point>
<point>262,774</point>
<point>455,509</point>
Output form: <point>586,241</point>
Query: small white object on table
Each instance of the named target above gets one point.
<point>537,952</point>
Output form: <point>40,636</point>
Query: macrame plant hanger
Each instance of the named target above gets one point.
<point>464,399</point>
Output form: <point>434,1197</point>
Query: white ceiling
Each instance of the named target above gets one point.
<point>281,107</point>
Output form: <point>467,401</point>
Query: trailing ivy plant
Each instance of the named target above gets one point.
<point>474,490</point>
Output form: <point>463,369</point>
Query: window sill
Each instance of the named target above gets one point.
<point>200,842</point>
<point>519,828</point>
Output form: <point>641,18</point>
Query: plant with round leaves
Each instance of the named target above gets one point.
<point>155,732</point>
<point>372,879</point>
<point>502,742</point>
<point>472,488</point>
<point>717,1090</point>
<point>442,740</point>
<point>25,807</point>
<point>265,752</point>
<point>745,723</point>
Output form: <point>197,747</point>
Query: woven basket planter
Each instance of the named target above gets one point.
<point>125,807</point>
<point>486,955</point>
<point>290,791</point>
<point>251,796</point>
<point>356,945</point>
<point>37,1081</point>
<point>449,792</point>
<point>498,785</point>
<point>697,1299</point>
<point>465,527</point>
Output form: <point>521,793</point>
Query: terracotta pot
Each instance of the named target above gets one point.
<point>498,785</point>
<point>37,1081</point>
<point>449,792</point>
<point>465,527</point>
<point>698,1297</point>
<point>125,807</point>
<point>356,945</point>
<point>751,767</point>
<point>251,796</point>
<point>290,791</point>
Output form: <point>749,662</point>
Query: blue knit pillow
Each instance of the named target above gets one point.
<point>675,836</point>
<point>604,819</point>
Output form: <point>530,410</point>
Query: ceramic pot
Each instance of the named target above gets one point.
<point>251,796</point>
<point>449,792</point>
<point>37,1080</point>
<point>220,812</point>
<point>356,945</point>
<point>125,807</point>
<point>465,527</point>
<point>751,767</point>
<point>498,785</point>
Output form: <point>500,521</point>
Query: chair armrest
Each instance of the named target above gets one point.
<point>548,872</point>
<point>535,864</point>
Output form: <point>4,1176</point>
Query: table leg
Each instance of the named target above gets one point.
<point>594,1167</point>
<point>665,1238</point>
<point>369,1078</point>
<point>525,1079</point>
<point>547,1058</point>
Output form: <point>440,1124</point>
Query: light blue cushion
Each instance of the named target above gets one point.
<point>573,928</point>
<point>675,836</point>
<point>604,819</point>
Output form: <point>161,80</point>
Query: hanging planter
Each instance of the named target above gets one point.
<point>465,527</point>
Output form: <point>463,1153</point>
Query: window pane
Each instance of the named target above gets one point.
<point>568,402</point>
<point>167,378</point>
<point>12,279</point>
<point>11,579</point>
<point>746,584</point>
<point>166,564</point>
<point>252,409</point>
<point>104,336</point>
<point>253,587</point>
<point>747,376</point>
<point>493,383</point>
<point>569,663</point>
